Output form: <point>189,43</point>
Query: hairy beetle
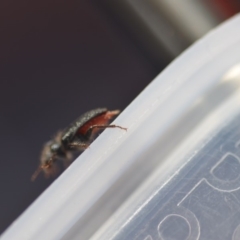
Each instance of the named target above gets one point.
<point>77,136</point>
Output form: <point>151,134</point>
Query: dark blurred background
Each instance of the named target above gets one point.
<point>59,59</point>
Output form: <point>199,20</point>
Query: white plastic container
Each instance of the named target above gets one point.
<point>175,174</point>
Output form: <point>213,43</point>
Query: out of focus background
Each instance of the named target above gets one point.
<point>59,59</point>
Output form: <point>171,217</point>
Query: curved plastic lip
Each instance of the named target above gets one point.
<point>122,221</point>
<point>171,95</point>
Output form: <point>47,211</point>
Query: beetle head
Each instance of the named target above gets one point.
<point>47,160</point>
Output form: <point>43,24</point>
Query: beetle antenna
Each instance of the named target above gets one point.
<point>36,173</point>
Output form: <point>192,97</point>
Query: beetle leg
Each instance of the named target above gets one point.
<point>78,145</point>
<point>67,160</point>
<point>53,171</point>
<point>89,131</point>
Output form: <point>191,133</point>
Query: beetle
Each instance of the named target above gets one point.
<point>76,137</point>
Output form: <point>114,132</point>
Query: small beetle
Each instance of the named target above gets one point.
<point>77,136</point>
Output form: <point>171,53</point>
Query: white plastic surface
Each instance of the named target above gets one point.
<point>172,119</point>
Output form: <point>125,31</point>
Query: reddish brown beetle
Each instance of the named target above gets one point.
<point>77,136</point>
